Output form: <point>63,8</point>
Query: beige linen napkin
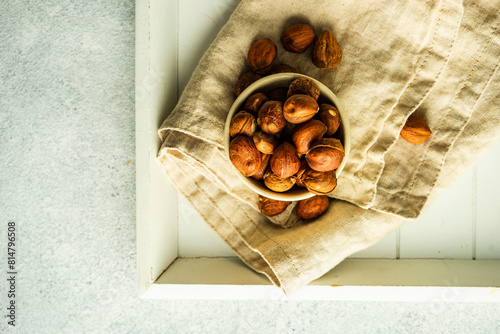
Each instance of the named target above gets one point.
<point>437,59</point>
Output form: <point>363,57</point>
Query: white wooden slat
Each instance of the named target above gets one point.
<point>445,230</point>
<point>384,249</point>
<point>488,206</point>
<point>196,237</point>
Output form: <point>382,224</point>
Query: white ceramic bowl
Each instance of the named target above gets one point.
<point>265,85</point>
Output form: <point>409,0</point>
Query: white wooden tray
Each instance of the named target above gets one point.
<point>451,253</point>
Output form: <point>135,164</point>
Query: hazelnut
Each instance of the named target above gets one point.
<point>254,102</point>
<point>271,207</point>
<point>300,108</point>
<point>285,161</point>
<point>303,168</point>
<point>307,133</point>
<point>263,167</point>
<point>329,115</point>
<point>265,142</point>
<point>242,123</point>
<point>277,184</point>
<point>326,51</point>
<point>325,155</point>
<point>244,155</point>
<point>313,207</point>
<point>262,55</point>
<point>282,68</point>
<point>270,117</point>
<point>304,86</point>
<point>246,80</point>
<point>297,38</point>
<point>416,130</point>
<point>278,94</point>
<point>319,183</point>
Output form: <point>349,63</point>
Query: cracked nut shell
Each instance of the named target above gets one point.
<point>270,117</point>
<point>242,123</point>
<point>313,207</point>
<point>304,86</point>
<point>273,182</point>
<point>326,51</point>
<point>319,183</point>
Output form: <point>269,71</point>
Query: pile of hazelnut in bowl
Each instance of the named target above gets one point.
<point>288,136</point>
<point>286,133</point>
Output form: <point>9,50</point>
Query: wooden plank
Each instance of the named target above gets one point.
<point>446,229</point>
<point>488,206</point>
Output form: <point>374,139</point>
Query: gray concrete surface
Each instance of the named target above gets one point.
<point>67,178</point>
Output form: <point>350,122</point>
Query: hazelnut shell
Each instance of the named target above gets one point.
<point>326,51</point>
<point>285,160</point>
<point>270,117</point>
<point>325,155</point>
<point>244,155</point>
<point>271,207</point>
<point>262,55</point>
<point>297,38</point>
<point>304,86</point>
<point>313,207</point>
<point>416,130</point>
<point>300,108</point>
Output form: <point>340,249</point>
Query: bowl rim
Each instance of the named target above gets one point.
<point>297,194</point>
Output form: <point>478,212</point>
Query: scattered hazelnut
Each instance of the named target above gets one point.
<point>326,51</point>
<point>254,102</point>
<point>244,155</point>
<point>282,68</point>
<point>307,133</point>
<point>330,116</point>
<point>277,184</point>
<point>270,117</point>
<point>246,80</point>
<point>304,86</point>
<point>312,207</point>
<point>300,108</point>
<point>242,123</point>
<point>265,142</point>
<point>319,183</point>
<point>285,161</point>
<point>262,55</point>
<point>271,207</point>
<point>325,155</point>
<point>416,130</point>
<point>297,38</point>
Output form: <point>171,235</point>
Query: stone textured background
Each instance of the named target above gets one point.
<point>67,177</point>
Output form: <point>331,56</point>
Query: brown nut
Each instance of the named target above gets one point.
<point>254,102</point>
<point>270,117</point>
<point>242,123</point>
<point>285,161</point>
<point>246,80</point>
<point>300,108</point>
<point>307,133</point>
<point>329,115</point>
<point>277,184</point>
<point>265,142</point>
<point>304,86</point>
<point>313,207</point>
<point>303,168</point>
<point>297,38</point>
<point>262,55</point>
<point>319,183</point>
<point>282,68</point>
<point>271,207</point>
<point>326,51</point>
<point>325,155</point>
<point>244,155</point>
<point>278,94</point>
<point>416,130</point>
<point>263,167</point>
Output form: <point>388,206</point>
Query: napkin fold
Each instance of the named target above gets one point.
<point>435,59</point>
